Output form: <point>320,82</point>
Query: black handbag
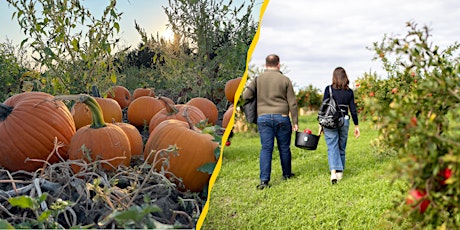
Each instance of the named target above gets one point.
<point>250,106</point>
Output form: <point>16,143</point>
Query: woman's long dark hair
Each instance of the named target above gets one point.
<point>340,79</point>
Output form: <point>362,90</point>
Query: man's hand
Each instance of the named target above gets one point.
<point>295,128</point>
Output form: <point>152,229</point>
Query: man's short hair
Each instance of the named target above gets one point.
<point>272,60</point>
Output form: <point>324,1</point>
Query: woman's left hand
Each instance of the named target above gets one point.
<point>357,132</point>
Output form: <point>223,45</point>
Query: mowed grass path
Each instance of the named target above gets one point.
<point>307,201</point>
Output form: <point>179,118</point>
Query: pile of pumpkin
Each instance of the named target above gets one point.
<point>38,129</point>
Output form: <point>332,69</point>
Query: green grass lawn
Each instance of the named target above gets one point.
<point>307,201</point>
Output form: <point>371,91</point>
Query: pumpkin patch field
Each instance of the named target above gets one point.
<point>81,161</point>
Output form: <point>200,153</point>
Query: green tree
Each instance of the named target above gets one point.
<point>212,39</point>
<point>309,97</point>
<point>71,44</point>
<point>420,123</point>
<point>11,70</point>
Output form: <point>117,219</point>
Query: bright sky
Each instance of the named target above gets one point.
<point>314,37</point>
<point>149,14</point>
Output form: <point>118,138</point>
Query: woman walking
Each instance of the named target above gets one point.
<point>336,139</point>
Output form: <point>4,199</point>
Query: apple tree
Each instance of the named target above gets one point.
<point>421,124</point>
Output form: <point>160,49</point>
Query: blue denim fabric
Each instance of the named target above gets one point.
<point>336,141</point>
<point>273,126</point>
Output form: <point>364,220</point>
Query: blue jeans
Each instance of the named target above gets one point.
<point>273,126</point>
<point>336,141</point>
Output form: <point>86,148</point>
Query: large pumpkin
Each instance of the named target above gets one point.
<point>227,116</point>
<point>178,112</point>
<point>142,109</point>
<point>230,88</point>
<point>194,150</point>
<point>104,141</point>
<point>207,107</point>
<point>29,124</point>
<point>139,92</point>
<point>111,110</point>
<point>120,94</point>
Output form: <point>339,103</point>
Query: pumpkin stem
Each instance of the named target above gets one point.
<point>4,111</point>
<point>189,121</point>
<point>96,111</point>
<point>170,109</point>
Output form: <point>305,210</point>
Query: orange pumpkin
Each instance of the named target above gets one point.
<point>139,92</point>
<point>29,124</point>
<point>176,112</point>
<point>194,150</point>
<point>120,94</point>
<point>105,141</point>
<point>135,138</point>
<point>230,88</point>
<point>111,110</point>
<point>142,109</point>
<point>227,116</point>
<point>206,106</point>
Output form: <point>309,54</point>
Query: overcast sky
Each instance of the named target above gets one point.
<point>314,37</point>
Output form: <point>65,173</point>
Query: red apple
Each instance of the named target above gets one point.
<point>445,174</point>
<point>307,131</point>
<point>417,199</point>
<point>357,84</point>
<point>228,143</point>
<point>413,121</point>
<point>394,90</point>
<point>371,94</point>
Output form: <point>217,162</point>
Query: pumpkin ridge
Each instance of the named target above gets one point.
<point>42,117</point>
<point>26,128</point>
<point>18,143</point>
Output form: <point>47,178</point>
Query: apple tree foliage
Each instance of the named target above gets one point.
<point>420,122</point>
<point>72,45</point>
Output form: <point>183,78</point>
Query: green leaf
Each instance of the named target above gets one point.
<point>113,77</point>
<point>75,44</point>
<point>117,26</point>
<point>217,152</point>
<point>45,215</point>
<point>23,42</point>
<point>207,168</point>
<point>23,202</point>
<point>5,225</point>
<point>48,52</point>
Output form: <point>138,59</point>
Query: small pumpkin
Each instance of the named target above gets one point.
<point>111,110</point>
<point>105,141</point>
<point>120,94</point>
<point>231,86</point>
<point>206,106</point>
<point>139,92</point>
<point>194,150</point>
<point>29,124</point>
<point>176,112</point>
<point>134,136</point>
<point>142,109</point>
<point>227,116</point>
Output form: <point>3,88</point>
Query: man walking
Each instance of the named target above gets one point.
<point>275,102</point>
